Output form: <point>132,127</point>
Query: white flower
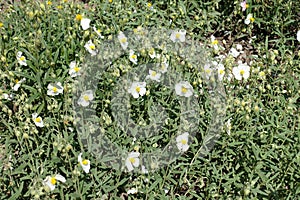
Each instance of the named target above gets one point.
<point>249,19</point>
<point>184,88</point>
<point>152,53</point>
<point>132,191</point>
<point>8,97</point>
<point>207,70</point>
<point>298,35</point>
<point>132,160</point>
<point>228,126</point>
<point>85,98</point>
<point>234,52</point>
<point>98,32</point>
<point>52,181</point>
<point>244,5</point>
<point>18,84</point>
<point>21,59</point>
<point>239,47</point>
<point>241,71</point>
<point>132,57</point>
<point>123,40</point>
<point>214,42</point>
<point>55,89</point>
<point>164,67</point>
<point>162,63</point>
<point>91,48</point>
<point>74,69</point>
<point>85,164</point>
<point>144,170</point>
<point>178,36</point>
<point>221,71</point>
<point>153,75</point>
<point>182,141</point>
<point>85,23</point>
<point>137,89</point>
<point>37,120</point>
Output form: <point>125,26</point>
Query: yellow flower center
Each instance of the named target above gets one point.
<point>132,160</point>
<point>59,7</point>
<point>183,141</point>
<point>1,24</point>
<point>138,89</point>
<point>252,19</point>
<point>110,1</point>
<point>76,69</point>
<point>207,71</point>
<point>92,47</point>
<point>215,42</point>
<point>85,162</point>
<point>149,4</point>
<point>53,180</point>
<point>22,58</point>
<point>54,89</point>
<point>184,90</point>
<point>123,40</point>
<point>177,35</point>
<point>153,73</point>
<point>49,3</point>
<point>86,98</point>
<point>17,81</point>
<point>247,6</point>
<point>38,120</point>
<point>133,56</point>
<point>221,71</point>
<point>78,17</point>
<point>242,72</point>
<point>261,74</point>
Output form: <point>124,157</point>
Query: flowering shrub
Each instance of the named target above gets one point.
<point>253,50</point>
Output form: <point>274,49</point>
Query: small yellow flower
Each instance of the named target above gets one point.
<point>59,7</point>
<point>49,3</point>
<point>1,24</point>
<point>149,5</point>
<point>110,1</point>
<point>78,17</point>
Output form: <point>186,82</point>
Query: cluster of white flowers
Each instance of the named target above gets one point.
<point>51,181</point>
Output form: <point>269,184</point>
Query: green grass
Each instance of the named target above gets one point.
<point>256,155</point>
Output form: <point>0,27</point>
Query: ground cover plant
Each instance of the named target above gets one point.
<point>247,51</point>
